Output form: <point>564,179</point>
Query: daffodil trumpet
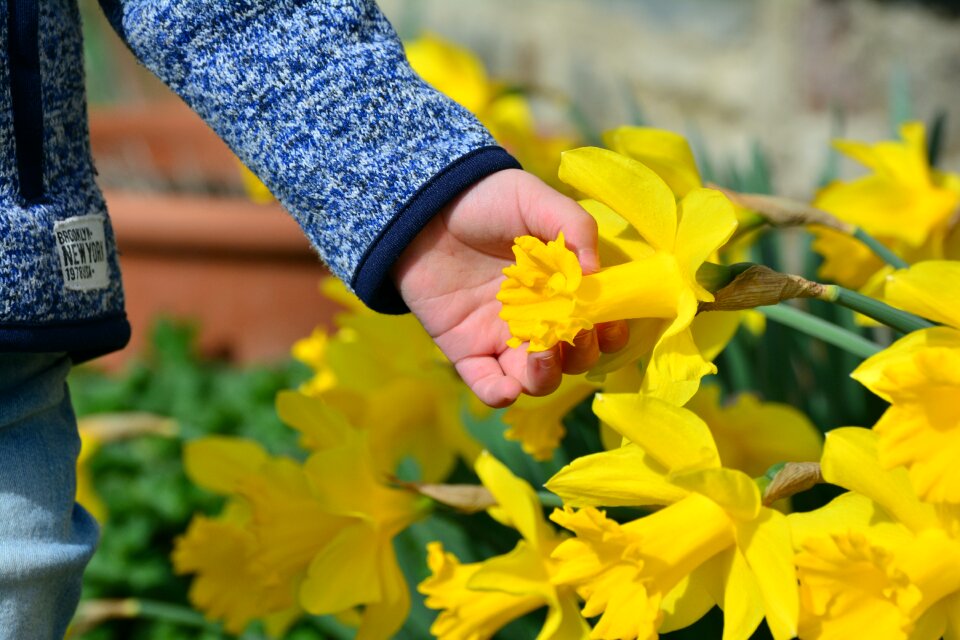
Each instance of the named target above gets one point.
<point>547,299</point>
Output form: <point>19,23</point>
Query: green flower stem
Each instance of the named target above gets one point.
<point>174,613</point>
<point>872,308</point>
<point>821,329</point>
<point>880,249</point>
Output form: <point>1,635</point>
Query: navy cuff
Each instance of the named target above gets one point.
<point>372,282</point>
<point>82,340</point>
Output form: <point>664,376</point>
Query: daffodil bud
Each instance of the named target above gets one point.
<point>760,286</point>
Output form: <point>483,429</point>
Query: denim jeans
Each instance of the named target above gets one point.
<point>46,539</point>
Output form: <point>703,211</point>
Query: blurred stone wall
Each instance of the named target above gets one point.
<point>737,71</point>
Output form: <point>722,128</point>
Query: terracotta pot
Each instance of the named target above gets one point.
<point>162,146</point>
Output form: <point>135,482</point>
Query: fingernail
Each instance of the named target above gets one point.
<point>583,338</point>
<point>547,361</point>
<point>612,332</point>
<point>589,261</point>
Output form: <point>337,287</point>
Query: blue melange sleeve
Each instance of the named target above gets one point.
<point>316,97</point>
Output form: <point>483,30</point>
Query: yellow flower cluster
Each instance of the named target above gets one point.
<point>881,561</point>
<point>294,537</point>
<point>673,517</point>
<point>369,368</point>
<point>902,201</point>
<point>505,111</point>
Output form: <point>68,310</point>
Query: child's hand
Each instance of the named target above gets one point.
<point>450,274</point>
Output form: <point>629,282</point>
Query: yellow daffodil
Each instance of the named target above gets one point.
<point>256,191</point>
<point>876,562</point>
<point>100,429</point>
<point>752,435</point>
<point>666,153</point>
<point>87,495</point>
<point>547,299</point>
<point>919,375</point>
<point>712,543</point>
<point>458,73</point>
<point>537,422</point>
<point>451,70</point>
<point>930,289</point>
<point>902,201</point>
<point>227,586</point>
<point>477,599</point>
<point>370,368</point>
<point>323,529</point>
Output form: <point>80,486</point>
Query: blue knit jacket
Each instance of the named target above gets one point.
<point>315,96</point>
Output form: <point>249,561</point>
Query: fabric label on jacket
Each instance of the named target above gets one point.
<point>82,249</point>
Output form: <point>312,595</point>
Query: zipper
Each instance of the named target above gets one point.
<point>23,56</point>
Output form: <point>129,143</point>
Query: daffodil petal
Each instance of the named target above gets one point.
<point>690,600</point>
<point>519,572</point>
<point>850,461</point>
<point>846,260</point>
<point>466,613</point>
<point>713,331</point>
<point>226,586</point>
<point>931,625</point>
<point>847,512</point>
<point>667,153</point>
<point>706,223</point>
<point>626,186</point>
<point>675,369</point>
<point>344,574</point>
<point>930,289</point>
<point>564,621</point>
<point>218,463</point>
<point>766,546</point>
<point>742,602</point>
<point>537,422</point>
<point>321,425</point>
<point>515,498</point>
<point>382,619</point>
<point>880,206</point>
<point>674,437</point>
<point>619,241</point>
<point>620,477</point>
<point>733,490</point>
<point>952,607</point>
<point>752,435</point>
<point>874,372</point>
<point>450,69</point>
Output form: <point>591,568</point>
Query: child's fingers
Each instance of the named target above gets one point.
<point>582,354</point>
<point>544,372</point>
<point>488,382</point>
<point>547,213</point>
<point>613,336</point>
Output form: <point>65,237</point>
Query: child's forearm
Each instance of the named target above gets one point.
<point>316,97</point>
